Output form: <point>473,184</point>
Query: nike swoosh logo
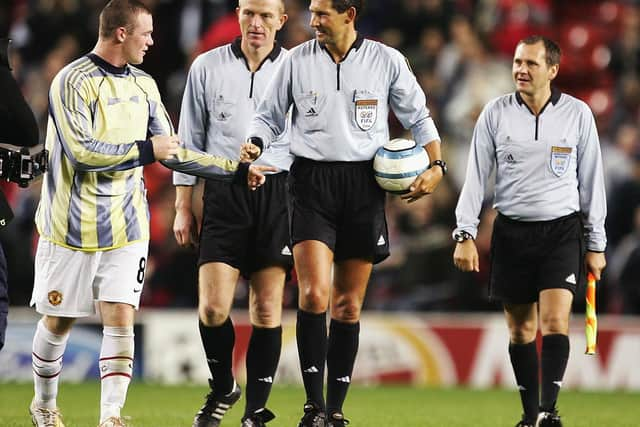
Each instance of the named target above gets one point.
<point>136,290</point>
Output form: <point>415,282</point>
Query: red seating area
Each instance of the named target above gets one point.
<point>585,30</point>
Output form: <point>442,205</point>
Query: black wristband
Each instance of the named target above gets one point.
<point>146,152</point>
<point>442,164</point>
<point>242,173</point>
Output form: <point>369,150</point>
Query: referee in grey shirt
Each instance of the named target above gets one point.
<point>243,232</point>
<point>339,87</point>
<point>551,204</point>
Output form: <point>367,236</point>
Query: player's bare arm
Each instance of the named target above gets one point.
<point>183,224</point>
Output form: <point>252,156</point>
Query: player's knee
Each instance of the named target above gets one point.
<point>346,310</point>
<point>523,333</point>
<point>313,304</point>
<point>58,325</point>
<point>554,323</point>
<point>314,299</point>
<point>266,313</point>
<point>213,314</point>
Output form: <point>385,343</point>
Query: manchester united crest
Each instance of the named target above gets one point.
<point>55,298</point>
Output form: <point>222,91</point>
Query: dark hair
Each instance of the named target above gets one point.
<point>120,13</point>
<point>552,50</point>
<point>342,5</point>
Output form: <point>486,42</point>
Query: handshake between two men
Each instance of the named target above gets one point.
<point>166,147</point>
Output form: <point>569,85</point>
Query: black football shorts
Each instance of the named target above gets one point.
<point>246,229</point>
<point>341,205</point>
<point>528,257</point>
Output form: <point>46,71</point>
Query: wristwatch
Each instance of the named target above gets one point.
<point>442,164</point>
<point>461,236</point>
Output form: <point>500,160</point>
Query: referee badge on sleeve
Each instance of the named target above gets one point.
<point>366,113</point>
<point>560,159</point>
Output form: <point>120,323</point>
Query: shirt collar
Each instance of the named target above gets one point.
<point>354,46</point>
<point>555,97</point>
<point>359,40</point>
<point>236,48</point>
<point>107,66</point>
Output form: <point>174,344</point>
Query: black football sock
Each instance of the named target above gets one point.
<point>311,335</point>
<point>218,344</point>
<point>263,355</point>
<point>555,354</point>
<point>341,356</point>
<point>524,359</point>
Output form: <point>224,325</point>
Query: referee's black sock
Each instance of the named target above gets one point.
<point>311,335</point>
<point>263,355</point>
<point>341,355</point>
<point>524,359</point>
<point>218,344</point>
<point>555,354</point>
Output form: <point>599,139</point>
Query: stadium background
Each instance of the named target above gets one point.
<point>426,323</point>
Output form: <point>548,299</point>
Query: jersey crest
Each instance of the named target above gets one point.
<point>560,159</point>
<point>366,113</point>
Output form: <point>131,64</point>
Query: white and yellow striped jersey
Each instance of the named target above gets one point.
<point>100,120</point>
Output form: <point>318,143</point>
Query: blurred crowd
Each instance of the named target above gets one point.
<point>460,51</point>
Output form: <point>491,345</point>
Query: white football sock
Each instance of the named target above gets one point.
<point>116,367</point>
<point>46,360</point>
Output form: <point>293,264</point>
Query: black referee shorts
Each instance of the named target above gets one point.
<point>528,257</point>
<point>246,229</point>
<point>340,204</point>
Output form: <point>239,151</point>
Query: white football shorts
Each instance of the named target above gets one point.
<point>68,282</point>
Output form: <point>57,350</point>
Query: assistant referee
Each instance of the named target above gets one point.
<point>550,198</point>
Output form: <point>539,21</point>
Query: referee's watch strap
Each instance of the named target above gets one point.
<point>442,164</point>
<point>257,141</point>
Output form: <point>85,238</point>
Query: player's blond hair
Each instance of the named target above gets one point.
<point>282,5</point>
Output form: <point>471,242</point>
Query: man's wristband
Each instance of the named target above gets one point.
<point>461,236</point>
<point>145,148</point>
<point>242,173</point>
<point>442,164</point>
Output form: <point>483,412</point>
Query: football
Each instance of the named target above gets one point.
<point>397,164</point>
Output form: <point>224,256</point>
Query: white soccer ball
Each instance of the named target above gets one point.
<point>397,164</point>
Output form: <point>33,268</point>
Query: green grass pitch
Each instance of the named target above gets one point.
<point>168,406</point>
